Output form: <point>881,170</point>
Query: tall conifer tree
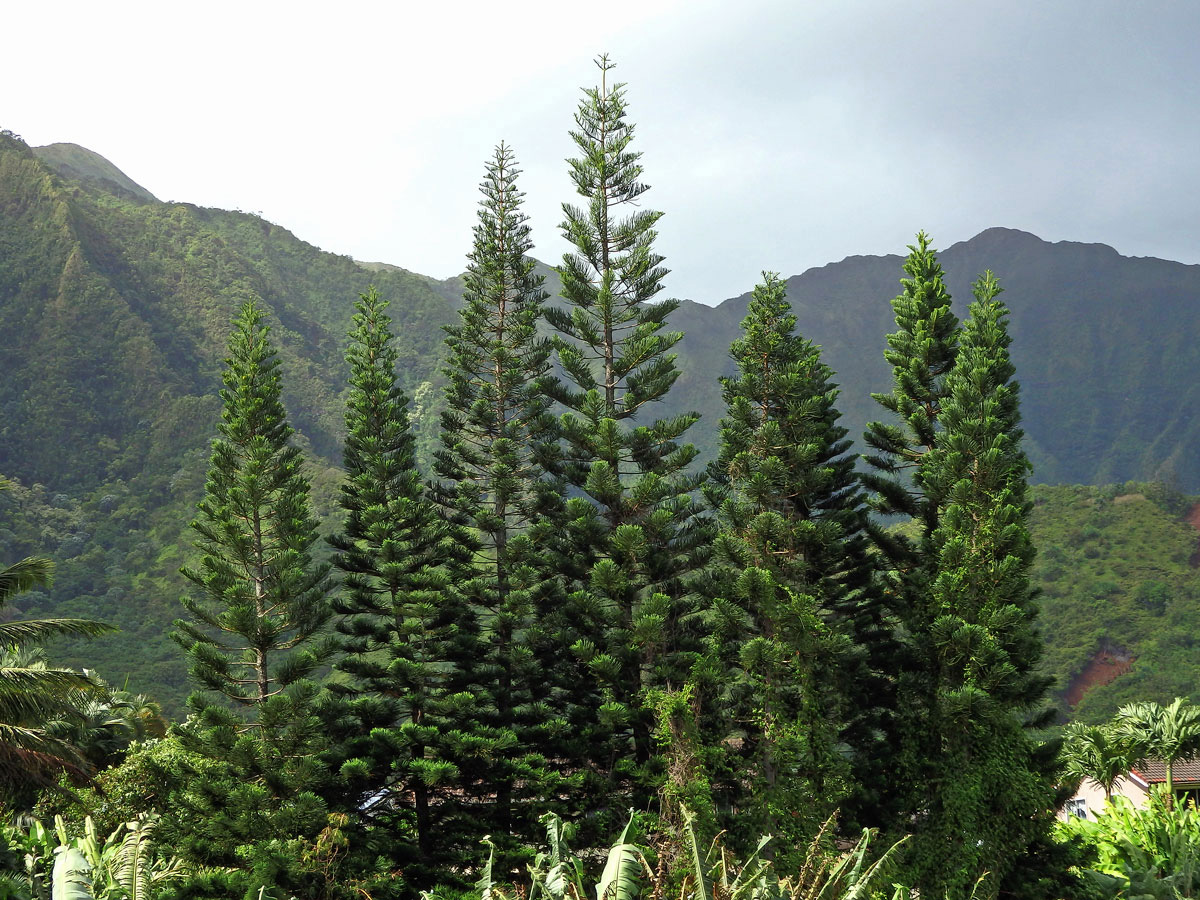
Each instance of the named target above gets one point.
<point>921,353</point>
<point>633,527</point>
<point>497,436</point>
<point>996,785</point>
<point>790,576</point>
<point>256,630</point>
<point>965,692</point>
<point>410,637</point>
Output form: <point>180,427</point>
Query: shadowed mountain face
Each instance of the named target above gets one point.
<point>1104,348</point>
<point>116,307</point>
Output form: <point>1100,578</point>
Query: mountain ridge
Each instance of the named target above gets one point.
<point>842,306</point>
<point>73,161</point>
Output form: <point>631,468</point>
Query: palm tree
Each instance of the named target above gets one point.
<point>1170,733</point>
<point>32,693</point>
<point>104,722</point>
<point>1097,753</point>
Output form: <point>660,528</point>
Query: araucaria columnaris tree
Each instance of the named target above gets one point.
<point>633,527</point>
<point>788,580</point>
<point>992,781</point>
<point>921,353</point>
<point>409,637</point>
<point>497,434</point>
<point>257,620</point>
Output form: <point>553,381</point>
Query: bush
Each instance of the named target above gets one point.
<point>1152,596</point>
<point>1152,852</point>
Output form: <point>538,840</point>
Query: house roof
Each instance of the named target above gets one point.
<point>1184,772</point>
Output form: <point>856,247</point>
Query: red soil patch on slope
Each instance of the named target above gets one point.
<point>1107,665</point>
<point>1110,663</point>
<point>1193,519</point>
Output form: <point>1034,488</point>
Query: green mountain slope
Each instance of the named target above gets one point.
<point>116,310</point>
<point>124,309</point>
<point>82,164</point>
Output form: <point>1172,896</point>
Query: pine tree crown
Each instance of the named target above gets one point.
<point>262,604</point>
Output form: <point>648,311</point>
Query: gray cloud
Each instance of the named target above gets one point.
<point>839,132</point>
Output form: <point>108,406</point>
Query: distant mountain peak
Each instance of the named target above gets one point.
<point>1014,235</point>
<point>1004,240</point>
<point>81,164</point>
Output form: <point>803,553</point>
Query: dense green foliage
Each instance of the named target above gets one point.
<point>981,632</point>
<point>32,693</point>
<point>967,692</point>
<point>109,402</point>
<point>498,437</point>
<point>255,636</point>
<point>109,399</point>
<point>1118,593</point>
<point>787,585</point>
<point>409,635</point>
<point>635,866</point>
<point>902,477</point>
<point>1128,852</point>
<point>258,604</point>
<point>81,864</point>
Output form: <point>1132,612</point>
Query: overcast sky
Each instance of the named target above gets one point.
<point>776,135</point>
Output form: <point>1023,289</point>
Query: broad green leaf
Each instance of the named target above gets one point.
<point>620,879</point>
<point>71,877</point>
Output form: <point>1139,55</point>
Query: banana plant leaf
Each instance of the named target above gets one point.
<point>621,879</point>
<point>71,879</point>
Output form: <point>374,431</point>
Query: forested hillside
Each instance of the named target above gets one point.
<point>118,307</point>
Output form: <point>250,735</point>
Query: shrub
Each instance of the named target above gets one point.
<point>1152,852</point>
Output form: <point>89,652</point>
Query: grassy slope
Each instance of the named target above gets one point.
<point>1113,566</point>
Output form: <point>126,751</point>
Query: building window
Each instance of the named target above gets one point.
<point>1077,807</point>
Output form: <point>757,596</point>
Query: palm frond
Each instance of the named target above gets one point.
<point>36,694</point>
<point>35,631</point>
<point>35,571</point>
<point>29,756</point>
